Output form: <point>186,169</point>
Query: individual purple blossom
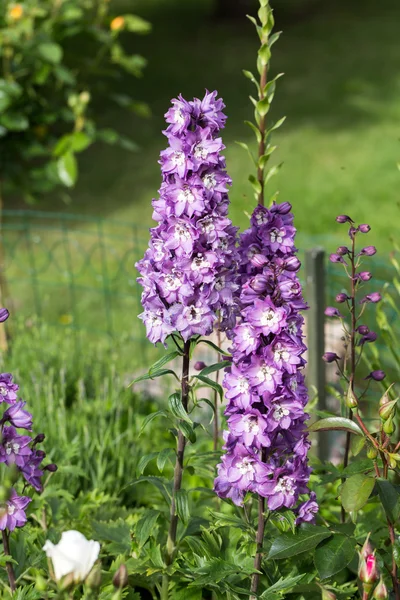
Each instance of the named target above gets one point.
<point>17,416</point>
<point>368,251</point>
<point>14,448</point>
<point>306,512</point>
<point>330,357</point>
<point>364,275</point>
<point>188,273</point>
<point>368,338</point>
<point>364,228</point>
<point>4,314</point>
<point>362,329</point>
<point>377,375</point>
<point>8,389</point>
<point>331,311</point>
<point>12,512</point>
<point>337,258</point>
<point>374,298</point>
<point>340,298</point>
<point>266,443</point>
<point>344,219</point>
<point>31,471</point>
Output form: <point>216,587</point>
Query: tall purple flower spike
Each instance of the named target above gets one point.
<point>266,443</point>
<point>188,273</point>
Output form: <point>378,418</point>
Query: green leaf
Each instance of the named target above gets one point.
<point>274,38</point>
<point>136,24</point>
<point>116,533</point>
<point>255,129</point>
<point>212,384</point>
<point>162,484</point>
<point>187,431</point>
<point>255,184</point>
<point>176,407</point>
<point>333,555</point>
<point>166,358</point>
<point>273,171</point>
<point>214,347</point>
<point>163,456</point>
<point>50,52</point>
<point>336,424</point>
<point>154,375</point>
<point>355,492</point>
<point>250,76</point>
<point>67,169</point>
<point>245,147</point>
<point>358,466</point>
<point>144,461</point>
<point>14,121</point>
<point>390,498</point>
<point>149,419</point>
<point>146,525</point>
<point>217,367</point>
<point>277,124</point>
<point>291,544</point>
<point>182,506</point>
<point>265,54</point>
<point>283,585</point>
<point>357,444</point>
<point>263,106</point>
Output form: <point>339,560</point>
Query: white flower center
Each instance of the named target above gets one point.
<point>207,225</point>
<point>285,485</point>
<point>10,509</point>
<point>279,412</point>
<point>186,195</point>
<point>251,425</point>
<point>199,262</point>
<point>220,283</point>
<point>194,314</point>
<point>209,181</point>
<point>292,327</point>
<point>172,282</point>
<point>281,354</point>
<point>178,116</point>
<point>261,218</point>
<point>293,384</point>
<point>243,384</point>
<point>269,317</point>
<point>3,391</point>
<point>200,152</point>
<point>247,335</point>
<point>181,233</point>
<point>277,236</point>
<point>156,318</point>
<point>223,244</point>
<point>178,158</point>
<point>245,466</point>
<point>265,373</point>
<point>12,447</point>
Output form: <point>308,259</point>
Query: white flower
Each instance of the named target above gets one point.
<point>73,554</point>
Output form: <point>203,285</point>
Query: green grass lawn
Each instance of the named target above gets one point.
<point>340,93</point>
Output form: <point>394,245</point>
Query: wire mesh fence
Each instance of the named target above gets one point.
<point>77,273</point>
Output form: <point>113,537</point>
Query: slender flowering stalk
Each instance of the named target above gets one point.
<point>357,335</point>
<point>188,273</point>
<point>266,443</point>
<point>18,452</point>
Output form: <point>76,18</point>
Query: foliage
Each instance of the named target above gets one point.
<point>58,57</point>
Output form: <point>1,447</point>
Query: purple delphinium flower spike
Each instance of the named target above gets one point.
<point>266,444</point>
<point>188,273</point>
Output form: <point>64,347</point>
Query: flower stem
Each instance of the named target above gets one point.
<point>9,566</point>
<point>259,541</point>
<point>178,472</point>
<point>262,128</point>
<point>393,572</point>
<point>216,399</point>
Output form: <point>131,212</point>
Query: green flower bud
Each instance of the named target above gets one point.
<point>40,583</point>
<point>351,400</point>
<point>389,426</point>
<point>327,595</point>
<point>93,580</point>
<point>380,592</point>
<point>387,410</point>
<point>372,452</point>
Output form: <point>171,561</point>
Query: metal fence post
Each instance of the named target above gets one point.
<point>315,291</point>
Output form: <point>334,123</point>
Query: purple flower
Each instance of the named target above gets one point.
<point>344,219</point>
<point>8,389</point>
<point>369,337</point>
<point>337,258</point>
<point>17,416</point>
<point>331,311</point>
<point>376,375</point>
<point>342,250</point>
<point>340,298</point>
<point>374,297</point>
<point>364,228</point>
<point>364,275</point>
<point>363,329</point>
<point>4,314</point>
<point>188,273</point>
<point>31,472</point>
<point>14,448</point>
<point>368,251</point>
<point>330,357</point>
<point>266,444</point>
<point>307,511</point>
<point>12,512</point>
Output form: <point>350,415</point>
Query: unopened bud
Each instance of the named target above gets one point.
<point>387,410</point>
<point>327,595</point>
<point>39,438</point>
<point>368,569</point>
<point>380,592</point>
<point>199,365</point>
<point>367,548</point>
<point>120,579</point>
<point>51,467</point>
<point>351,400</point>
<point>372,452</point>
<point>40,583</point>
<point>392,460</point>
<point>67,581</point>
<point>389,426</point>
<point>385,398</point>
<point>93,580</point>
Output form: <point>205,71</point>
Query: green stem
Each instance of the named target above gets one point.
<point>178,472</point>
<point>9,566</point>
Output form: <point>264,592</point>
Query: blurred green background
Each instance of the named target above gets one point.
<point>340,93</point>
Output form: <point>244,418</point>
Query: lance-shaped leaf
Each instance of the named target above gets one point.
<point>336,424</point>
<point>291,544</point>
<point>355,492</point>
<point>333,555</point>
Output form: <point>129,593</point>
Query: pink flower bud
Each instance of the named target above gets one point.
<point>199,365</point>
<point>364,275</point>
<point>368,571</point>
<point>364,228</point>
<point>342,298</point>
<point>344,219</point>
<point>380,592</point>
<point>368,251</point>
<point>330,311</point>
<point>330,357</point>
